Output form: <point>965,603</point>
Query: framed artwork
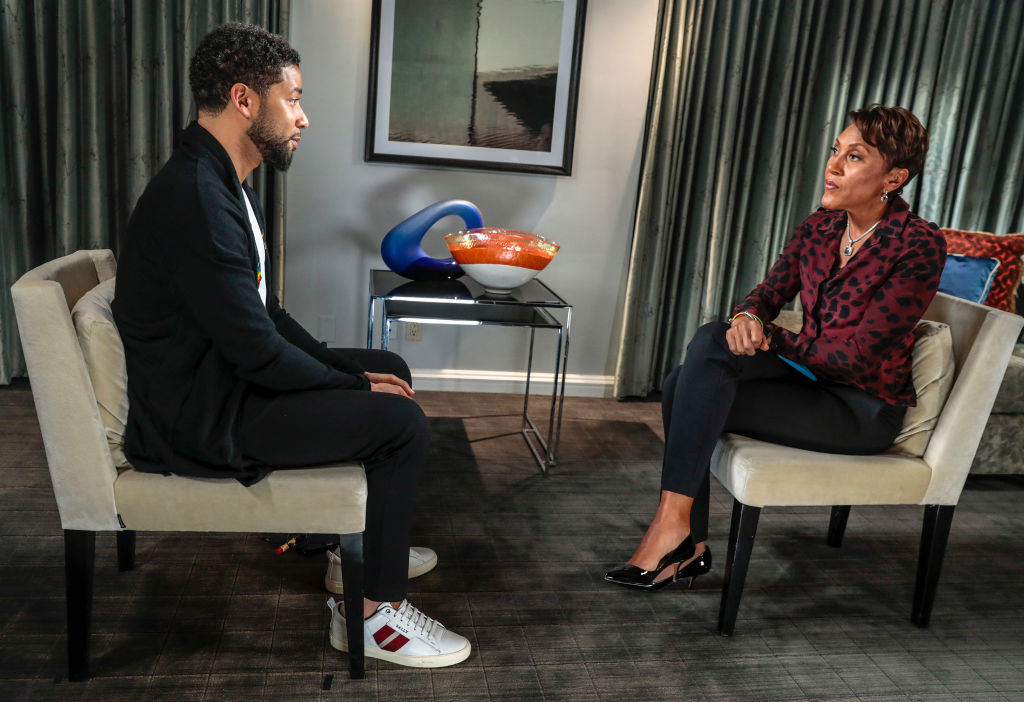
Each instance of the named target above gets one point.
<point>475,83</point>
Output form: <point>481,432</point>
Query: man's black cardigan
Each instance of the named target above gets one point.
<point>196,334</point>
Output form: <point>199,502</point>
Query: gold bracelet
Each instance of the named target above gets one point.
<point>751,315</point>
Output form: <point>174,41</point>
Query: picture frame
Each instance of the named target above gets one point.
<point>486,84</point>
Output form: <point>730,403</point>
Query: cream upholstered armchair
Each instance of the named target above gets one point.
<point>76,367</point>
<point>959,360</point>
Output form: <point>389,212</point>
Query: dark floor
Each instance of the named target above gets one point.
<point>521,556</point>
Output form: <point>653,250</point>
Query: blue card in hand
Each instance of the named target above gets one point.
<point>800,367</point>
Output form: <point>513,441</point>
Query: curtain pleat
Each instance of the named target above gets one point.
<point>94,95</point>
<point>746,99</point>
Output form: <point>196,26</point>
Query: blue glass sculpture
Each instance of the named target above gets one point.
<point>401,248</point>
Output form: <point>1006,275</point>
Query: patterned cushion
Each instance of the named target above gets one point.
<point>1008,249</point>
<point>1010,399</point>
<point>1000,451</point>
<point>104,357</point>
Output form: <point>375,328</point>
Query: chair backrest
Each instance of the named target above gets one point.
<point>79,459</point>
<point>983,339</point>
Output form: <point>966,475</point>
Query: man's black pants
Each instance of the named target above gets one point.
<point>759,396</point>
<point>387,433</point>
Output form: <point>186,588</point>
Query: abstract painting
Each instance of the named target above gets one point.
<point>475,83</point>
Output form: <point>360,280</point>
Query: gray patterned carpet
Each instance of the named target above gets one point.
<point>220,617</point>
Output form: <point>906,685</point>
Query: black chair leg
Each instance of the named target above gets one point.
<point>934,536</point>
<point>125,550</point>
<point>352,581</point>
<point>79,563</point>
<point>741,544</point>
<point>837,524</point>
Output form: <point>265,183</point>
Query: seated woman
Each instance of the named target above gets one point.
<point>866,269</point>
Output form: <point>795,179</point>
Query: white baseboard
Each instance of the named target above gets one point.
<point>458,380</point>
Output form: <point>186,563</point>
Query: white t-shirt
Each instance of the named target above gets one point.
<point>260,249</point>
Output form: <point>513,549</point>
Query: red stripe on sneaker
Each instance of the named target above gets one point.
<point>396,643</point>
<point>382,634</point>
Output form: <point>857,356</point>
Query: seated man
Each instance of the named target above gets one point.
<point>222,382</point>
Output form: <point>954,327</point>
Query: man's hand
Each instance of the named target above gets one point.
<point>746,337</point>
<point>387,382</point>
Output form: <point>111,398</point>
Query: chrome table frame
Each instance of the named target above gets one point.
<point>463,302</point>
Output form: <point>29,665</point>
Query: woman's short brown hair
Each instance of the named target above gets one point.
<point>897,134</point>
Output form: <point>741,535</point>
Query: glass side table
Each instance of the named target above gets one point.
<point>465,302</point>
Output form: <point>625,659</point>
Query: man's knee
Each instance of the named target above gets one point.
<point>396,364</point>
<point>409,419</point>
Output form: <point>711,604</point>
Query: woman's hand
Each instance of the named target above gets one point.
<point>745,336</point>
<point>387,382</point>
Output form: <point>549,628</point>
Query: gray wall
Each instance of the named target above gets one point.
<point>339,207</point>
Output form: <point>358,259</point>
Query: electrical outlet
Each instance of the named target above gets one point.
<point>325,327</point>
<point>413,331</point>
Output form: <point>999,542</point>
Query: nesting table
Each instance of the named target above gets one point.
<point>464,302</point>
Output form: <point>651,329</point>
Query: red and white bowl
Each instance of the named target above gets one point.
<point>500,259</point>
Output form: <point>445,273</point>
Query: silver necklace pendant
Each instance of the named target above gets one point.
<point>848,251</point>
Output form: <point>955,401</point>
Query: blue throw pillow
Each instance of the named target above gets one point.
<point>969,277</point>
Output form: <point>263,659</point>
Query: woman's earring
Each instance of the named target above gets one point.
<point>885,196</point>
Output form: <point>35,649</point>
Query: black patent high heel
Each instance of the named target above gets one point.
<point>634,576</point>
<point>701,565</point>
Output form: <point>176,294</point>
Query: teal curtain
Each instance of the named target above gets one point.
<point>93,94</point>
<point>746,99</point>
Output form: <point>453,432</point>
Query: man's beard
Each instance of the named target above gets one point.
<point>277,153</point>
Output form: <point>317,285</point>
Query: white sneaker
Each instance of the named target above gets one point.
<point>421,560</point>
<point>405,636</point>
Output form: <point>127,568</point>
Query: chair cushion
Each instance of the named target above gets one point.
<point>793,320</point>
<point>933,365</point>
<point>325,500</point>
<point>104,357</point>
<point>933,378</point>
<point>1008,249</point>
<point>759,473</point>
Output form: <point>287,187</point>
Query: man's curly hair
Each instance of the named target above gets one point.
<point>237,53</point>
